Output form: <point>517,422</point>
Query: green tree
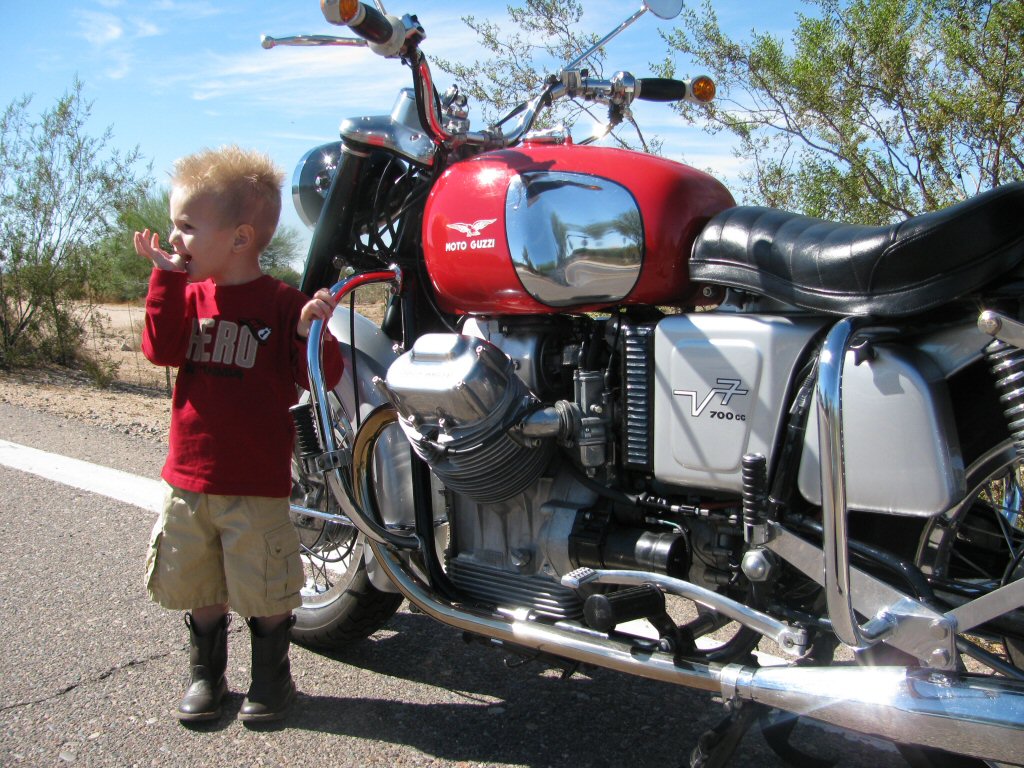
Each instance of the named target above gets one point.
<point>876,110</point>
<point>542,37</point>
<point>279,255</point>
<point>61,192</point>
<point>118,273</point>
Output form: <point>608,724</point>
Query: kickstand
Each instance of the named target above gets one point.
<point>716,747</point>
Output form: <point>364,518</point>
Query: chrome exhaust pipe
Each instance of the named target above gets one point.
<point>980,717</point>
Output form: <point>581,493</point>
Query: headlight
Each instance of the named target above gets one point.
<point>312,180</point>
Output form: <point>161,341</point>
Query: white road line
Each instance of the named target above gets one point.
<point>112,483</point>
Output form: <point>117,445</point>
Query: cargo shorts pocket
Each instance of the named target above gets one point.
<point>151,555</point>
<point>284,567</point>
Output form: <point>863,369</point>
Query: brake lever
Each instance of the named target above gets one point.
<point>310,40</point>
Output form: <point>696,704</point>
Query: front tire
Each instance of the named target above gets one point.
<point>340,605</point>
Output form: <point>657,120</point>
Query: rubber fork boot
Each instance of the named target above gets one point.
<point>273,690</point>
<point>208,658</point>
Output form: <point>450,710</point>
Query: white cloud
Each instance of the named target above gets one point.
<point>143,28</point>
<point>119,65</point>
<point>99,29</point>
<point>193,9</point>
<point>296,80</point>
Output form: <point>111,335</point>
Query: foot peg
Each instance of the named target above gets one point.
<point>604,612</point>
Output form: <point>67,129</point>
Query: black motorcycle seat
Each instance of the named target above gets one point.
<point>847,269</point>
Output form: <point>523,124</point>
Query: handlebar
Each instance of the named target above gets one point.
<point>623,88</point>
<point>392,37</point>
<point>370,24</point>
<point>310,40</point>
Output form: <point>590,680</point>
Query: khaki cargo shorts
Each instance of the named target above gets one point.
<point>240,550</point>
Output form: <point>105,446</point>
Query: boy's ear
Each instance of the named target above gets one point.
<point>245,234</point>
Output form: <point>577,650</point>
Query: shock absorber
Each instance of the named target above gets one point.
<point>1007,364</point>
<point>305,430</point>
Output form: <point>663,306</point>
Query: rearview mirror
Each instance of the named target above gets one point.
<point>664,9</point>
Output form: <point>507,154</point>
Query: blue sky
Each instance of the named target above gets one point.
<point>173,76</point>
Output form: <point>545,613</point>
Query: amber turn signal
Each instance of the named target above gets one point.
<point>340,11</point>
<point>348,9</point>
<point>703,88</point>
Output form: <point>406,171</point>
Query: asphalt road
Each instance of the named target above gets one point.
<point>91,670</point>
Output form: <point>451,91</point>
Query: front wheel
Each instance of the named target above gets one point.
<point>339,603</point>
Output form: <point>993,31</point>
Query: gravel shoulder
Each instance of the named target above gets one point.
<point>121,407</point>
<point>135,402</point>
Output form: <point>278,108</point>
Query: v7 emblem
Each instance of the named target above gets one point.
<point>727,388</point>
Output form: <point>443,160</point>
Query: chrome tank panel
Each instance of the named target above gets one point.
<point>573,237</point>
<point>721,391</point>
<point>902,453</point>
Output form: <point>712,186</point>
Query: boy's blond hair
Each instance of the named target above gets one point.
<point>244,184</point>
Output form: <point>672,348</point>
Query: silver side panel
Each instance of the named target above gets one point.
<point>721,391</point>
<point>954,348</point>
<point>902,453</point>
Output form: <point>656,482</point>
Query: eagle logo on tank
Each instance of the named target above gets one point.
<point>472,231</point>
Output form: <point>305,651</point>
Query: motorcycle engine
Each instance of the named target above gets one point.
<point>522,477</point>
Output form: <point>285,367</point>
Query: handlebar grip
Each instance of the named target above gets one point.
<point>372,25</point>
<point>366,21</point>
<point>661,89</point>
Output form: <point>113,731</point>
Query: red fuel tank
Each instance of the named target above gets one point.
<point>545,228</point>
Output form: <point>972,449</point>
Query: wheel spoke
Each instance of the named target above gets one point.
<point>960,556</point>
<point>1007,510</point>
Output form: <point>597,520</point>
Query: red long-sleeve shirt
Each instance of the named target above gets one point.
<point>238,359</point>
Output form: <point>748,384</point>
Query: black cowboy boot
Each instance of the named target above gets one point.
<point>272,690</point>
<point>208,657</point>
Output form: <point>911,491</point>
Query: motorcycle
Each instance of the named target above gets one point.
<point>611,418</point>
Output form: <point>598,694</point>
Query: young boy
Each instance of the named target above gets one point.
<point>238,339</point>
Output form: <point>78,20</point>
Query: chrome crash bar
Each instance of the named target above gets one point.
<point>337,460</point>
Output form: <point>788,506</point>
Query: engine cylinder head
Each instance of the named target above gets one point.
<point>458,397</point>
